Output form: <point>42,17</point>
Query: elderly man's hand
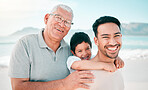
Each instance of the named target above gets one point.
<point>77,80</point>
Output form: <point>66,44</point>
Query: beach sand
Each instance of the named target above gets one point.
<point>4,79</point>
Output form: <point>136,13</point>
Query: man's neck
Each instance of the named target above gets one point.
<point>102,58</point>
<point>51,42</point>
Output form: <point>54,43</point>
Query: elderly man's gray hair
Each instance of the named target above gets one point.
<point>65,7</point>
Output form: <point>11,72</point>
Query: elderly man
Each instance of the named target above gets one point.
<point>38,61</point>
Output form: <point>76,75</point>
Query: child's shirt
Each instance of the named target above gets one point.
<point>70,61</point>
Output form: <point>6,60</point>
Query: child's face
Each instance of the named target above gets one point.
<point>83,51</point>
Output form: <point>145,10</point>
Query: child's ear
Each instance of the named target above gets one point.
<point>72,52</point>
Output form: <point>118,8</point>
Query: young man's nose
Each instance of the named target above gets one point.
<point>112,41</point>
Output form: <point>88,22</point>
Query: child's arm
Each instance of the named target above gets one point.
<point>119,63</point>
<point>93,65</point>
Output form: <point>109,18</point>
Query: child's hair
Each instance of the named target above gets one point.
<point>78,38</point>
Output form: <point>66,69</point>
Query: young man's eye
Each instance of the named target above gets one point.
<point>117,35</point>
<point>105,37</point>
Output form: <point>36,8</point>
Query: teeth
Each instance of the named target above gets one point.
<point>112,48</point>
<point>85,58</point>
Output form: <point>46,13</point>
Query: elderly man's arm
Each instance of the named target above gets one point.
<point>71,82</point>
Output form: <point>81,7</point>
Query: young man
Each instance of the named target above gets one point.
<point>81,49</point>
<point>108,39</point>
<point>38,61</point>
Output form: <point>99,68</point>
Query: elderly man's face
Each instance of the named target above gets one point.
<point>108,40</point>
<point>57,30</point>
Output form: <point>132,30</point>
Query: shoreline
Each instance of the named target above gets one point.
<point>5,83</point>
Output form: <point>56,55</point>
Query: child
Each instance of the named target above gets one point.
<point>81,49</point>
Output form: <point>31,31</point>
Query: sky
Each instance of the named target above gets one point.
<point>17,14</point>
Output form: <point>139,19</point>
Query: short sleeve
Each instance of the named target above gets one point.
<point>70,61</point>
<point>19,66</point>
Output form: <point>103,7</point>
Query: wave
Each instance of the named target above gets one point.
<point>130,54</point>
<point>7,43</point>
<point>4,61</point>
<point>125,54</point>
<point>134,54</point>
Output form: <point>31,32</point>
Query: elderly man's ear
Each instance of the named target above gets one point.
<point>46,18</point>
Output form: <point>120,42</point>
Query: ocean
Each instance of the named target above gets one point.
<point>134,47</point>
<point>134,52</point>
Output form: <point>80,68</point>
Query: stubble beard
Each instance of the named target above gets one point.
<point>107,55</point>
<point>110,56</point>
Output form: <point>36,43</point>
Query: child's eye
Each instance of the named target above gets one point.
<point>87,48</point>
<point>79,51</point>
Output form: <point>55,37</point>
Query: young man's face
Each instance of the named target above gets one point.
<point>83,51</point>
<point>108,40</point>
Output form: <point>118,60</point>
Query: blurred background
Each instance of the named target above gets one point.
<point>22,17</point>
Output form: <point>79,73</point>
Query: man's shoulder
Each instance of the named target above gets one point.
<point>28,40</point>
<point>30,37</point>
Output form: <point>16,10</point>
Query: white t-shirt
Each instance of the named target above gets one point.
<point>103,80</point>
<point>70,61</point>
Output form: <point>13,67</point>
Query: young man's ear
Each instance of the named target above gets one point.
<point>96,40</point>
<point>72,52</point>
<point>46,18</point>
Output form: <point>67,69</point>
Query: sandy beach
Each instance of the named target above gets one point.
<point>4,79</point>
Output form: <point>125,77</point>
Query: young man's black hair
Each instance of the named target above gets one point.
<point>103,20</point>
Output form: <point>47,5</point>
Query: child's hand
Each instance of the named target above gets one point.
<point>110,67</point>
<point>119,63</point>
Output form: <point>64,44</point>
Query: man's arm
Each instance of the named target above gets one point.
<point>25,84</point>
<point>71,82</point>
